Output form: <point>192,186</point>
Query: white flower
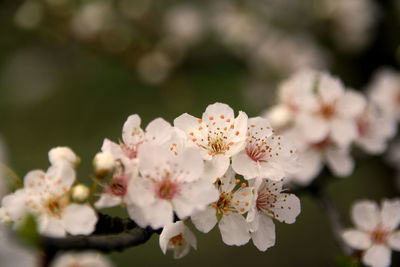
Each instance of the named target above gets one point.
<point>114,192</point>
<point>63,154</point>
<point>218,135</point>
<point>13,253</point>
<point>46,196</point>
<point>271,201</point>
<point>177,237</point>
<point>104,164</point>
<point>375,232</point>
<point>385,92</point>
<point>313,156</point>
<point>158,131</point>
<point>81,259</point>
<point>265,154</point>
<point>168,184</point>
<point>333,112</point>
<point>227,211</point>
<point>374,130</point>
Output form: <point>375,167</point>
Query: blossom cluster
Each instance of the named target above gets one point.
<point>217,169</point>
<point>324,120</point>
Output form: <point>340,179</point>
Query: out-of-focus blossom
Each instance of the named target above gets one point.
<point>374,130</point>
<point>81,259</point>
<point>393,158</point>
<point>29,15</point>
<point>184,22</point>
<point>219,135</point>
<point>177,237</point>
<point>14,254</point>
<point>228,211</point>
<point>154,67</point>
<point>46,195</point>
<point>270,201</point>
<point>168,184</point>
<point>265,154</point>
<point>354,19</point>
<point>376,231</point>
<point>384,91</point>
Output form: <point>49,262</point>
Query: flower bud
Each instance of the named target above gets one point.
<point>63,154</point>
<point>104,164</point>
<point>80,193</point>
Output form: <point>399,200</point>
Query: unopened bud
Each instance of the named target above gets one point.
<point>104,164</point>
<point>63,154</point>
<point>80,193</point>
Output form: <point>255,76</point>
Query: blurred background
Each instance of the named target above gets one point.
<point>71,71</point>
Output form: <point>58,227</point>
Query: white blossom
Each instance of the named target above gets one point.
<point>63,154</point>
<point>384,91</point>
<point>177,237</point>
<point>46,195</point>
<point>104,164</point>
<point>265,154</point>
<point>270,201</point>
<point>80,193</point>
<point>228,211</point>
<point>168,184</point>
<point>376,231</point>
<point>81,259</point>
<point>218,135</point>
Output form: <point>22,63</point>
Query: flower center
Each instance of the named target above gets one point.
<point>379,236</point>
<point>129,150</point>
<point>327,111</point>
<point>256,153</point>
<point>166,189</point>
<point>176,240</point>
<point>217,146</point>
<point>223,205</point>
<point>54,205</point>
<point>118,186</point>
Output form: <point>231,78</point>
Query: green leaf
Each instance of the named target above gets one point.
<point>347,261</point>
<point>27,231</point>
<point>12,180</point>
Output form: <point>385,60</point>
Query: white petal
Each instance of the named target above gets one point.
<point>51,226</point>
<point>394,240</point>
<point>243,199</point>
<point>152,158</point>
<point>60,177</point>
<point>170,231</point>
<point>314,128</point>
<point>310,162</point>
<point>216,167</point>
<point>343,131</point>
<point>271,170</point>
<point>159,131</point>
<point>131,131</point>
<point>141,191</point>
<point>194,197</point>
<point>186,123</point>
<point>365,215</point>
<point>217,110</point>
<point>107,201</point>
<point>234,230</point>
<point>205,220</point>
<point>228,181</point>
<point>339,162</point>
<point>189,165</point>
<point>330,88</point>
<point>390,214</point>
<point>238,134</point>
<point>377,256</point>
<point>112,148</point>
<point>190,237</point>
<point>137,214</point>
<point>159,214</point>
<point>79,219</point>
<point>264,237</point>
<point>243,165</point>
<point>286,208</point>
<point>14,204</point>
<point>351,104</point>
<point>357,239</point>
<point>35,180</point>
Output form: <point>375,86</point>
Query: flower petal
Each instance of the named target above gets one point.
<point>216,167</point>
<point>205,220</point>
<point>264,237</point>
<point>131,131</point>
<point>243,165</point>
<point>377,256</point>
<point>339,162</point>
<point>351,104</point>
<point>365,215</point>
<point>107,201</point>
<point>159,131</point>
<point>344,131</point>
<point>394,241</point>
<point>79,219</point>
<point>234,230</point>
<point>286,208</point>
<point>357,239</point>
<point>390,214</point>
